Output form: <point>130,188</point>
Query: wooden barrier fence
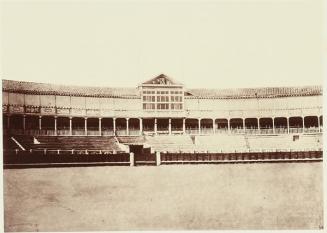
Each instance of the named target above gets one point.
<point>73,157</point>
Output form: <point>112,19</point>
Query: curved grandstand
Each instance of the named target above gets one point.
<point>160,115</point>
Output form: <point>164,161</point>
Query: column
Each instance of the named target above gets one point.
<point>169,126</point>
<point>243,119</point>
<point>55,125</point>
<point>288,125</point>
<point>127,126</point>
<point>100,127</point>
<point>40,122</point>
<point>199,125</point>
<point>131,159</point>
<point>258,120</point>
<point>302,124</point>
<point>158,158</point>
<point>155,125</point>
<point>318,124</point>
<point>273,121</point>
<point>141,126</point>
<point>114,125</point>
<point>213,126</point>
<point>70,126</point>
<point>8,121</point>
<point>24,123</point>
<point>228,125</point>
<point>184,119</point>
<point>85,125</point>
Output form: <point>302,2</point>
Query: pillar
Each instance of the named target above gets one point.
<point>8,121</point>
<point>158,158</point>
<point>127,126</point>
<point>131,159</point>
<point>114,125</point>
<point>169,126</point>
<point>141,125</point>
<point>288,125</point>
<point>100,127</point>
<point>199,125</point>
<point>228,125</point>
<point>155,125</point>
<point>273,121</point>
<point>213,126</point>
<point>40,122</point>
<point>55,125</point>
<point>243,119</point>
<point>70,126</point>
<point>85,125</point>
<point>24,123</point>
<point>319,124</point>
<point>184,119</point>
<point>302,124</point>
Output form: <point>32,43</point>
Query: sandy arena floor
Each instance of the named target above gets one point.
<point>229,196</point>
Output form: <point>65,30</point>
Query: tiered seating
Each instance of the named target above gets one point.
<point>69,143</point>
<point>285,142</point>
<point>220,142</point>
<point>170,143</point>
<point>230,143</point>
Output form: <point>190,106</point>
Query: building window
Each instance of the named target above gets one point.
<point>177,106</point>
<point>162,99</point>
<point>149,106</point>
<point>162,106</point>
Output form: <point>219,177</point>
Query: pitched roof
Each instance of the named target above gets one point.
<point>264,92</point>
<point>162,79</point>
<point>52,89</point>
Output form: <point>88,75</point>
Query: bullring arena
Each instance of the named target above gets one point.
<point>237,157</point>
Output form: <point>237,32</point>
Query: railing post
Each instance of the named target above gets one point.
<point>24,123</point>
<point>85,126</point>
<point>8,122</point>
<point>169,126</point>
<point>127,126</point>
<point>55,126</point>
<point>131,159</point>
<point>228,125</point>
<point>40,123</point>
<point>158,158</point>
<point>273,121</point>
<point>100,127</point>
<point>141,126</point>
<point>155,126</point>
<point>114,125</point>
<point>184,125</point>
<point>70,126</point>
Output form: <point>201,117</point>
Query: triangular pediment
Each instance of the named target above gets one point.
<point>161,80</point>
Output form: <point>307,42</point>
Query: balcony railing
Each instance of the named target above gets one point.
<point>135,131</point>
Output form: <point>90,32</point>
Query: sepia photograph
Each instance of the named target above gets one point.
<point>162,115</point>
